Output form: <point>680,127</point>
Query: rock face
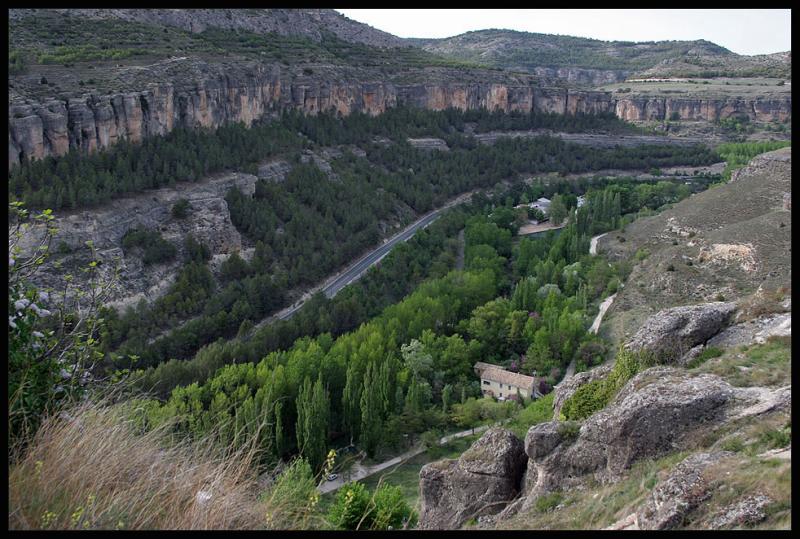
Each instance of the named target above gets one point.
<point>660,410</point>
<point>671,333</point>
<point>91,122</point>
<point>221,94</point>
<point>749,510</point>
<point>208,221</point>
<point>676,496</point>
<point>654,414</point>
<point>481,482</point>
<point>754,331</point>
<point>703,109</point>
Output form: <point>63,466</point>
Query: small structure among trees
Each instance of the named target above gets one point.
<point>503,384</point>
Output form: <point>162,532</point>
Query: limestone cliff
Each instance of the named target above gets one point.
<point>39,129</point>
<point>703,109</point>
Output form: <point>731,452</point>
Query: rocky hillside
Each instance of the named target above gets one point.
<point>720,244</point>
<point>83,79</point>
<point>208,222</point>
<point>310,23</point>
<point>594,62</point>
<point>694,428</point>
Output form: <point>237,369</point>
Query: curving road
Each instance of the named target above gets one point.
<point>331,287</point>
<point>359,472</point>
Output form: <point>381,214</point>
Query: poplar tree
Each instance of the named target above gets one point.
<point>313,411</point>
<point>447,397</point>
<point>371,407</point>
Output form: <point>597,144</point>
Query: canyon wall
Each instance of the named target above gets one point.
<point>89,122</point>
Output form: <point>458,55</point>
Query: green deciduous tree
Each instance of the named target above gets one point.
<point>558,210</point>
<point>372,406</point>
<point>313,415</point>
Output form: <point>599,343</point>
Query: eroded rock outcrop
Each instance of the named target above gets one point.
<point>747,511</point>
<point>671,333</point>
<point>757,331</point>
<point>679,494</point>
<point>765,163</point>
<point>208,221</point>
<point>656,412</point>
<point>481,482</point>
<point>660,410</point>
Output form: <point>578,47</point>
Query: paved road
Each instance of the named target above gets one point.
<point>530,230</point>
<point>360,472</point>
<point>357,269</point>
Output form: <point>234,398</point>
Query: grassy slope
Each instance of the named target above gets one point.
<point>742,474</point>
<point>744,212</point>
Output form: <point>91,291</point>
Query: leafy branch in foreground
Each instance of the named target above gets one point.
<point>52,346</point>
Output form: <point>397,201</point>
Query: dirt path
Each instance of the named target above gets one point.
<point>603,308</point>
<point>595,327</point>
<point>593,244</point>
<point>360,472</point>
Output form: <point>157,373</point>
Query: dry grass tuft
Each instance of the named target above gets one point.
<point>90,469</point>
<point>763,302</point>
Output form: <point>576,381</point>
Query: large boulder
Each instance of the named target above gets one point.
<point>659,411</point>
<point>655,413</point>
<point>481,482</point>
<point>679,494</point>
<point>671,333</point>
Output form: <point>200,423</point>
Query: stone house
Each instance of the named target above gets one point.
<point>502,384</point>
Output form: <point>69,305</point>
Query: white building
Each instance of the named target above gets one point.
<point>502,384</point>
<point>542,204</point>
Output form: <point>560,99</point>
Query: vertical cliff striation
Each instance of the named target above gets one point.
<point>89,122</point>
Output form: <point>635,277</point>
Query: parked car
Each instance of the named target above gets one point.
<point>333,477</point>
